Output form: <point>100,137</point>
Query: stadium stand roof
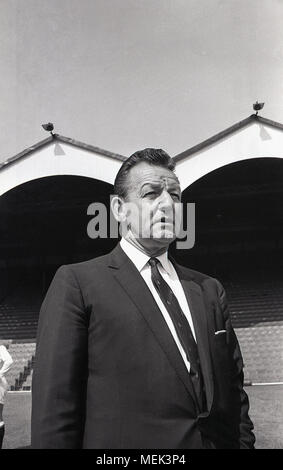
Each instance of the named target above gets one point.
<point>230,130</point>
<point>59,155</point>
<point>253,137</point>
<point>60,138</point>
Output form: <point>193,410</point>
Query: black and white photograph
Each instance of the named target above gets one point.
<point>141,227</point>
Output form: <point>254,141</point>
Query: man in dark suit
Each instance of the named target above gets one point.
<point>133,350</point>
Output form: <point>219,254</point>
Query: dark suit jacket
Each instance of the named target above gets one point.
<point>109,375</point>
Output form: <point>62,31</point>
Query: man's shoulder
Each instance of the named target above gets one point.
<point>196,276</point>
<point>87,266</point>
<point>82,274</point>
<point>89,263</point>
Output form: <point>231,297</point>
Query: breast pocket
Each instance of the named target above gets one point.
<point>221,354</point>
<point>220,340</point>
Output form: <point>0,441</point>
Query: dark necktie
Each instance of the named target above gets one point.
<point>182,328</point>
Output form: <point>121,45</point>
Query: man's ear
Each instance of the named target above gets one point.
<point>118,208</point>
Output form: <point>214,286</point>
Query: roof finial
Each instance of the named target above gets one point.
<point>257,106</point>
<point>48,127</point>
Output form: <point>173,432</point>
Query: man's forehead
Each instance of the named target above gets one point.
<point>143,173</point>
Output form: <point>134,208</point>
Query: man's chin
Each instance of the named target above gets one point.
<point>164,236</point>
<point>157,237</point>
<point>165,232</point>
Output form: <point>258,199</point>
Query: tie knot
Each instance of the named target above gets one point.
<point>153,262</point>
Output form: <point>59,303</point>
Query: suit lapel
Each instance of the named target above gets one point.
<point>196,304</point>
<point>132,282</point>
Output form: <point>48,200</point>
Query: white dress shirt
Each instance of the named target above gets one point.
<point>5,361</point>
<point>169,274</point>
<point>5,365</point>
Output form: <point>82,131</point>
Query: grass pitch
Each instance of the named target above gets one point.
<point>266,411</point>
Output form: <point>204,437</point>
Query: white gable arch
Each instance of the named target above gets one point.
<point>58,158</point>
<point>255,137</point>
<point>254,141</point>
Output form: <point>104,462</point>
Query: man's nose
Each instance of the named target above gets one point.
<point>165,200</point>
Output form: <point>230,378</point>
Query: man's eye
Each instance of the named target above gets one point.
<point>150,193</point>
<point>175,196</point>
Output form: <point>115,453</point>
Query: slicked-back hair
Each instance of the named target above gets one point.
<point>155,157</point>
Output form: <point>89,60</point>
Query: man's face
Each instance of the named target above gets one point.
<point>152,196</point>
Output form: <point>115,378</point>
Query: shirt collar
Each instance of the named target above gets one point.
<point>140,259</point>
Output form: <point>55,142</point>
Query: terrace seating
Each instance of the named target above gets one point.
<point>22,354</point>
<point>256,309</point>
<point>254,303</point>
<point>19,310</point>
<point>27,384</point>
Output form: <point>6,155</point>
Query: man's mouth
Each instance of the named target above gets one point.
<point>163,223</point>
<point>163,220</point>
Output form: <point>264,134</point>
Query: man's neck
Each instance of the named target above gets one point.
<point>149,251</point>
